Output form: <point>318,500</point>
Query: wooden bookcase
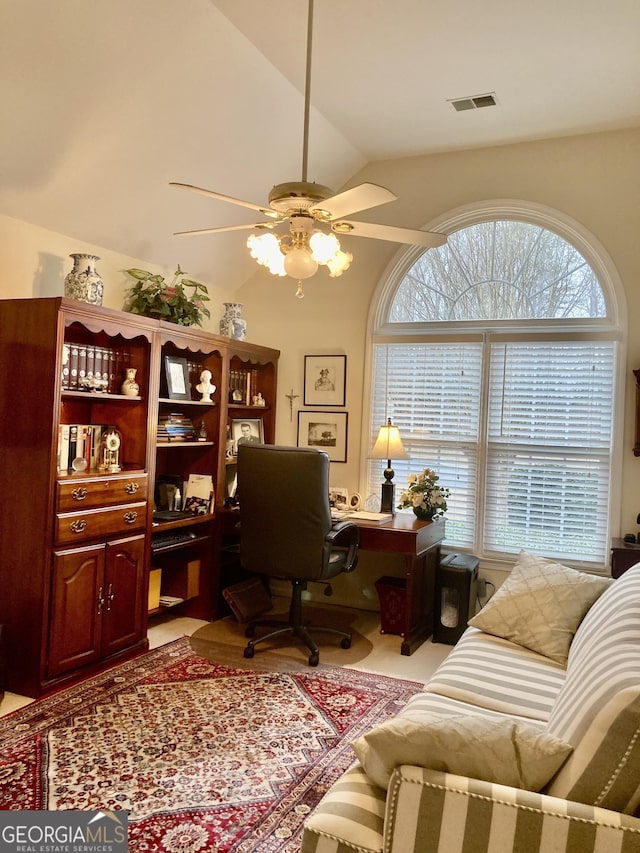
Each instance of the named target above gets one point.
<point>79,544</point>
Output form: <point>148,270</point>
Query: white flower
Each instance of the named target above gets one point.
<point>424,492</point>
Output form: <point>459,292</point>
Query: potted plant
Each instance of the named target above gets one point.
<point>151,296</point>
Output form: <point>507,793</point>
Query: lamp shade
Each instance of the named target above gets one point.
<point>388,444</point>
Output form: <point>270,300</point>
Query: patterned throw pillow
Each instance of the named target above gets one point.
<point>540,605</point>
<point>495,750</point>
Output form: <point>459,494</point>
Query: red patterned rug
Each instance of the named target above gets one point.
<point>203,756</point>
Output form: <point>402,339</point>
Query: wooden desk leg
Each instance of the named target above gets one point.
<point>420,575</point>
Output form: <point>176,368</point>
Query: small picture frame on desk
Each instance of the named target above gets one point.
<point>324,431</point>
<point>176,371</point>
<point>325,380</point>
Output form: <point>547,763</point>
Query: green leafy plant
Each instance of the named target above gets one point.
<point>151,296</point>
<point>424,495</point>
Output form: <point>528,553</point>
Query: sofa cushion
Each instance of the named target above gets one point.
<point>598,707</point>
<point>445,706</point>
<point>540,605</point>
<point>504,751</point>
<point>499,675</point>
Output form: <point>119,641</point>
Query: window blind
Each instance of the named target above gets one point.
<point>432,393</point>
<point>549,434</point>
<point>527,460</point>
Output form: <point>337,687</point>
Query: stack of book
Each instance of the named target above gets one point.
<point>175,427</point>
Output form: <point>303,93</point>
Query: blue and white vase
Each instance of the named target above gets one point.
<point>232,325</point>
<point>83,282</point>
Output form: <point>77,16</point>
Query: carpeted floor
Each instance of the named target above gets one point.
<point>224,640</point>
<point>203,755</point>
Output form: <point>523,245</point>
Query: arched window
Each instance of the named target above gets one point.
<point>495,355</point>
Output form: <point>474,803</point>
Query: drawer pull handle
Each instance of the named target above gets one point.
<point>130,517</point>
<point>78,526</point>
<point>131,488</point>
<point>79,494</point>
<point>100,600</point>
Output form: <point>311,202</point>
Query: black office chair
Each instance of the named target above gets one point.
<point>286,531</point>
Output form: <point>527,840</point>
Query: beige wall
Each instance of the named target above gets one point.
<point>593,179</point>
<point>35,261</point>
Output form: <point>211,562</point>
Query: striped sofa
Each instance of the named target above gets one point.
<point>593,703</point>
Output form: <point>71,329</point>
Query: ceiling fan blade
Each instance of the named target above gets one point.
<point>267,225</point>
<point>354,200</point>
<point>428,239</point>
<point>266,211</point>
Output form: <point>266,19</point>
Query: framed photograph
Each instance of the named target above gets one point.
<point>324,431</point>
<point>176,371</point>
<point>246,431</point>
<point>325,380</point>
<point>338,497</point>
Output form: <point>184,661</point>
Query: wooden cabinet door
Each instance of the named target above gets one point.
<point>76,619</point>
<point>123,611</point>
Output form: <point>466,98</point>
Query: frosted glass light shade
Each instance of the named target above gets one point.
<point>324,246</point>
<point>299,263</point>
<point>339,263</point>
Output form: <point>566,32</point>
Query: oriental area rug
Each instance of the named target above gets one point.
<point>203,755</point>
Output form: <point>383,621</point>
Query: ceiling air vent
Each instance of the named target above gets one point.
<point>475,102</point>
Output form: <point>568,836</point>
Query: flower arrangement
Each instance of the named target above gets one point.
<point>424,495</point>
<point>151,296</point>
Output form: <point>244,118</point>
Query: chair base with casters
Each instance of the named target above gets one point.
<point>295,626</point>
<point>296,541</point>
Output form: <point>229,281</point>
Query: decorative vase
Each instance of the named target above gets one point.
<point>232,325</point>
<point>424,514</point>
<point>130,387</point>
<point>83,282</point>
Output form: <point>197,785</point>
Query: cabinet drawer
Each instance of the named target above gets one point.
<point>99,523</point>
<point>89,492</point>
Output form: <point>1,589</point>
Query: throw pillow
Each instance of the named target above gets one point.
<point>540,605</point>
<point>504,751</point>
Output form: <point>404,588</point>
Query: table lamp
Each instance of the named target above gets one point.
<point>388,446</point>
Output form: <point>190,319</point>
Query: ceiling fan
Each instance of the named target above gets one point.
<point>303,204</point>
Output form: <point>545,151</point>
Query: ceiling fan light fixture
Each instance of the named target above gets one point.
<point>304,203</point>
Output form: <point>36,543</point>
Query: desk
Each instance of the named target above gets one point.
<point>419,544</point>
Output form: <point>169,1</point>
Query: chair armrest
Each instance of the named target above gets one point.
<point>428,811</point>
<point>345,536</point>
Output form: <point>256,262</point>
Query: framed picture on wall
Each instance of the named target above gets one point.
<point>324,431</point>
<point>325,380</point>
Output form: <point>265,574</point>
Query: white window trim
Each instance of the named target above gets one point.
<point>569,229</point>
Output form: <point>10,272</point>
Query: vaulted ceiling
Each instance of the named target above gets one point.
<point>104,103</point>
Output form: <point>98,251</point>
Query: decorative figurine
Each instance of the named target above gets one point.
<point>202,432</point>
<point>205,387</point>
<point>259,400</point>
